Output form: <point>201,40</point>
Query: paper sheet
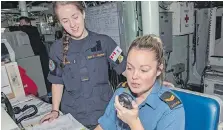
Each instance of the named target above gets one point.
<point>5,85</point>
<point>65,122</point>
<point>15,79</point>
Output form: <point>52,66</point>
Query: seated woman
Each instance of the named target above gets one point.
<point>154,107</point>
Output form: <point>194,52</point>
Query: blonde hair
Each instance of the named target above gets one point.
<point>153,43</point>
<point>66,36</point>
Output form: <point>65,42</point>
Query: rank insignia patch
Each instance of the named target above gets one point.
<point>170,99</point>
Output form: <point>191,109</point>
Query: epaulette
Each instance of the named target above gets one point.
<point>123,85</point>
<point>170,99</point>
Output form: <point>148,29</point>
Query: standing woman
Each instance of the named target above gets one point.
<point>79,67</point>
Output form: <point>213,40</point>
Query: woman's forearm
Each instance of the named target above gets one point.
<point>57,91</point>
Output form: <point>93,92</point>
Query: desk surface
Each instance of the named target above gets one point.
<point>7,122</point>
<point>32,123</point>
<point>43,109</point>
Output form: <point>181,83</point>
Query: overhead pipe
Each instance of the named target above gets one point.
<point>150,17</point>
<point>23,8</point>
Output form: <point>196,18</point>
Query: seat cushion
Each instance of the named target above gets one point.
<point>201,113</point>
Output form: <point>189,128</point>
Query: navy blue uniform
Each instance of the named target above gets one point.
<point>86,92</point>
<point>162,110</point>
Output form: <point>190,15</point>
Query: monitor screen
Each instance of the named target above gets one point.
<point>5,57</point>
<point>218,37</point>
<point>218,27</point>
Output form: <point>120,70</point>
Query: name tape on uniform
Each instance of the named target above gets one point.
<point>115,54</point>
<point>96,55</point>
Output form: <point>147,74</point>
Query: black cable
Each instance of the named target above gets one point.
<point>168,71</point>
<point>209,32</point>
<point>139,29</point>
<point>137,18</point>
<point>194,39</point>
<point>27,116</point>
<point>137,8</point>
<point>163,7</point>
<point>202,77</point>
<point>188,61</point>
<point>215,71</point>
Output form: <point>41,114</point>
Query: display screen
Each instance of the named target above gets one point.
<point>4,50</point>
<point>4,54</point>
<point>218,27</point>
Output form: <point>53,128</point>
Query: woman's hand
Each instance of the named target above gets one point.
<point>50,117</point>
<point>126,115</point>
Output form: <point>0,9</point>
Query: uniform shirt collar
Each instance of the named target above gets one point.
<point>152,97</point>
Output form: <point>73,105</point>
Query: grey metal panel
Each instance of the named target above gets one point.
<point>201,46</point>
<point>202,39</point>
<point>20,43</point>
<point>33,69</point>
<point>165,20</point>
<point>127,23</point>
<point>179,55</point>
<point>103,19</point>
<point>127,27</point>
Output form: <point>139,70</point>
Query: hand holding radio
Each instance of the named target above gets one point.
<point>125,100</point>
<point>126,107</point>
